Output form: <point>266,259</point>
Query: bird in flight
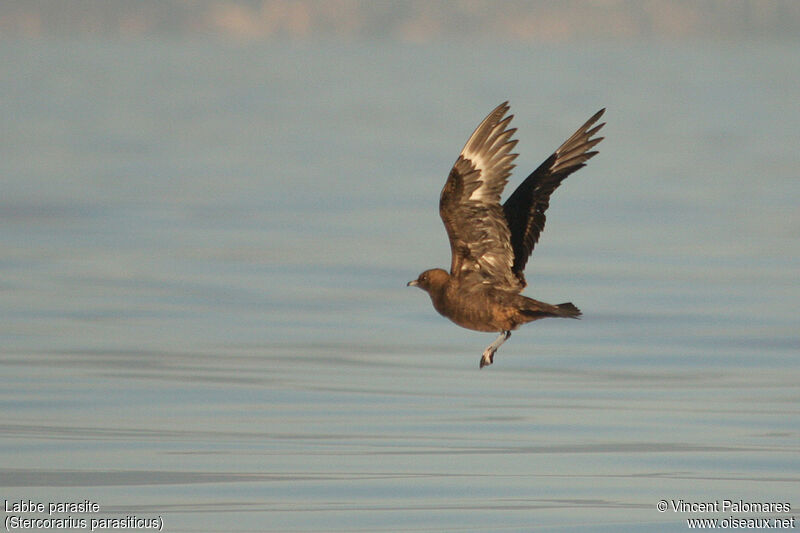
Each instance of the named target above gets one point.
<point>490,243</point>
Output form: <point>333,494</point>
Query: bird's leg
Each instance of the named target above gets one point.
<point>488,353</point>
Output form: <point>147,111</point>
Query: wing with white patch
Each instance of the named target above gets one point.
<point>470,204</point>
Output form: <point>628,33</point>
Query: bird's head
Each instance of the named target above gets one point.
<point>431,280</point>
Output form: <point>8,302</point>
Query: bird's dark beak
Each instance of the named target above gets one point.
<point>412,283</point>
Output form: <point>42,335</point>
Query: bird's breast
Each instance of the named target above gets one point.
<point>475,309</point>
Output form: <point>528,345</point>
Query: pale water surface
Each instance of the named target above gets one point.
<point>203,313</point>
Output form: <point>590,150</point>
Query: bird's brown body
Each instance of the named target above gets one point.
<point>483,308</point>
<point>490,243</point>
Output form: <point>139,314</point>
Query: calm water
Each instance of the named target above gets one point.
<point>203,311</point>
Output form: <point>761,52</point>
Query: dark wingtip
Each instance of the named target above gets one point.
<point>594,118</point>
<point>505,107</point>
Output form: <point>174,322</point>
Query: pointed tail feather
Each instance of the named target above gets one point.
<point>568,310</point>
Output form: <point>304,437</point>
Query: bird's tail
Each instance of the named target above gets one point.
<point>533,310</point>
<point>568,310</point>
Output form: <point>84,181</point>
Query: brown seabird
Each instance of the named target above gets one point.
<point>490,243</point>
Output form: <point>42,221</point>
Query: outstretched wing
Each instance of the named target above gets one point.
<point>470,204</point>
<point>524,210</point>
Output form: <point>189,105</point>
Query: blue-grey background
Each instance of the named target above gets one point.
<point>209,213</point>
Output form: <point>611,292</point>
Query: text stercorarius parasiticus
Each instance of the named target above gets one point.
<point>490,243</point>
